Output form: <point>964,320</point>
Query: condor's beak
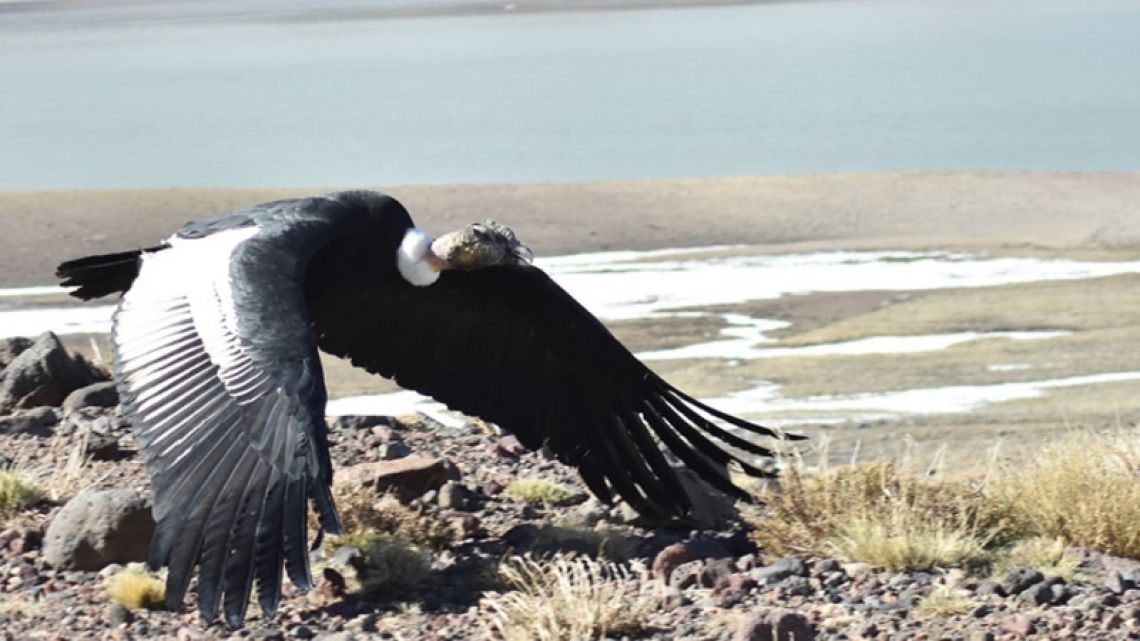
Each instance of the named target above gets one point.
<point>434,259</point>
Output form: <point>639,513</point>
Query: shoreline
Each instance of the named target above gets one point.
<point>923,210</point>
<point>117,13</point>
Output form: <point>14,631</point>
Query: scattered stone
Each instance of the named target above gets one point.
<point>1116,582</point>
<point>1020,579</point>
<point>715,572</point>
<point>509,446</point>
<point>37,421</point>
<point>686,575</point>
<point>796,586</point>
<point>393,450</point>
<point>97,395</point>
<point>777,624</point>
<point>986,588</point>
<point>780,570</point>
<point>1021,626</point>
<point>1039,594</point>
<point>100,527</point>
<point>354,422</point>
<point>824,566</point>
<point>454,496</point>
<point>44,374</point>
<point>10,348</point>
<point>189,634</point>
<point>409,477</point>
<point>117,614</point>
<point>678,553</point>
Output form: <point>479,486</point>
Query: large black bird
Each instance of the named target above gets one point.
<point>215,343</point>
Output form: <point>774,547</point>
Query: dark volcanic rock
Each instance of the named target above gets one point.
<point>1020,579</point>
<point>98,395</point>
<point>777,624</point>
<point>98,528</point>
<point>44,374</point>
<point>38,421</point>
<point>353,422</point>
<point>10,348</point>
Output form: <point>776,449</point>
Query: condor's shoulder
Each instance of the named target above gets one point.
<point>293,217</point>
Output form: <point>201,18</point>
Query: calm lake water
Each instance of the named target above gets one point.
<point>799,87</point>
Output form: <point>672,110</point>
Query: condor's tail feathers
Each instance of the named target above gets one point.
<point>96,276</point>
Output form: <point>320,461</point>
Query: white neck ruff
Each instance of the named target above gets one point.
<point>410,258</point>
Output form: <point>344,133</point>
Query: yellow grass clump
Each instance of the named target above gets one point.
<point>1045,555</point>
<point>389,562</point>
<point>137,589</point>
<point>566,598</point>
<point>541,491</point>
<point>943,601</point>
<point>16,493</point>
<point>878,514</point>
<point>362,512</point>
<point>1083,489</point>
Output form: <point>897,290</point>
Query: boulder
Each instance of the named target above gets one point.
<point>37,421</point>
<point>10,348</point>
<point>44,374</point>
<point>408,477</point>
<point>97,395</point>
<point>100,527</point>
<point>1020,579</point>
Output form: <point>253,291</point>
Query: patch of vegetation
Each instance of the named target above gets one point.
<point>361,512</point>
<point>943,601</point>
<point>566,598</point>
<point>137,589</point>
<point>1047,556</point>
<point>901,541</point>
<point>388,563</point>
<point>542,492</point>
<point>1083,489</point>
<point>16,493</point>
<point>878,514</point>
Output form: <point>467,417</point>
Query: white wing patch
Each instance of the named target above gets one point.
<point>176,335</point>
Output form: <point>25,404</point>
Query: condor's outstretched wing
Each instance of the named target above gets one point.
<point>509,345</point>
<point>217,366</point>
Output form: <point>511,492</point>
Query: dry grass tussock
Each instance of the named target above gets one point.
<point>878,513</point>
<point>943,601</point>
<point>1082,488</point>
<point>363,513</point>
<point>16,493</point>
<point>564,598</point>
<point>390,563</point>
<point>135,588</point>
<point>1046,555</point>
<point>542,492</point>
<point>71,464</point>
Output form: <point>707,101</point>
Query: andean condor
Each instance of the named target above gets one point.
<point>215,346</point>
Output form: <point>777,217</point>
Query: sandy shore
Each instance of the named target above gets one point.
<point>917,210</point>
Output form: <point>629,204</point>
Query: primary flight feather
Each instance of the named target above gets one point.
<point>216,343</point>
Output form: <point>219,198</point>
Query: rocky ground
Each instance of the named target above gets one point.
<point>62,430</point>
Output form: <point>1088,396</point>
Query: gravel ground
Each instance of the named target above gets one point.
<point>716,585</point>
